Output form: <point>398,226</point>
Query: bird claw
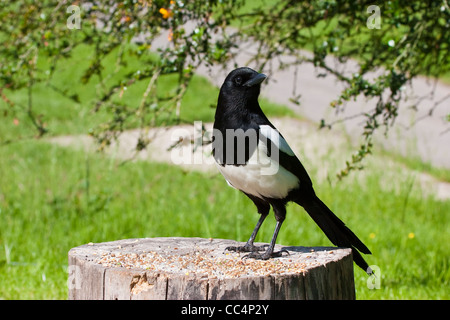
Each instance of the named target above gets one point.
<point>266,255</point>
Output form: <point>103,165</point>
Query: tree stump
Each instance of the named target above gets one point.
<point>199,269</point>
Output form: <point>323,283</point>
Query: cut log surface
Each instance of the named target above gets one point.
<point>199,269</point>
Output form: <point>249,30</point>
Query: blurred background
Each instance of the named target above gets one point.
<point>94,94</point>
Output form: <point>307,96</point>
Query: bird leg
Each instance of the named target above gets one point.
<point>269,253</point>
<point>249,246</point>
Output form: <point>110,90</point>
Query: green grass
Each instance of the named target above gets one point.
<point>53,199</point>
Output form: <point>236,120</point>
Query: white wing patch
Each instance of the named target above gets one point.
<point>276,138</point>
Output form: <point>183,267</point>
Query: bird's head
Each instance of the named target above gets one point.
<point>242,86</point>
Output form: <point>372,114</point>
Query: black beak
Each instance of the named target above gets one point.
<point>257,79</point>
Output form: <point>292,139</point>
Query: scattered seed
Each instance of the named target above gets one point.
<point>202,261</point>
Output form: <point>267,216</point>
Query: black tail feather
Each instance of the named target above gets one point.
<point>338,233</point>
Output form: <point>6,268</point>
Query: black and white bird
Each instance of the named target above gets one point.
<point>255,158</point>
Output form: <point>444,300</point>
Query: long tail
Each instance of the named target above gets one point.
<point>338,233</point>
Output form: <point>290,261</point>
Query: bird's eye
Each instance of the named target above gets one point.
<point>238,80</point>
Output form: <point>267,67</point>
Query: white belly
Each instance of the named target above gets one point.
<point>261,176</point>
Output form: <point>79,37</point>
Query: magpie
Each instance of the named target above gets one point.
<point>254,158</point>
